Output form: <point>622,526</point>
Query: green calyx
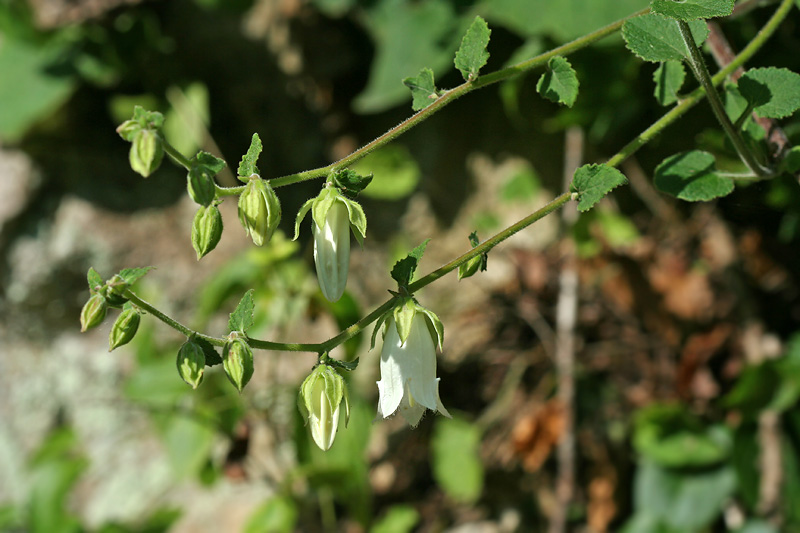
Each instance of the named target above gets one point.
<point>191,363</point>
<point>333,388</point>
<point>404,312</point>
<point>206,230</point>
<point>320,206</point>
<point>259,210</point>
<point>237,360</point>
<point>143,131</point>
<point>124,328</point>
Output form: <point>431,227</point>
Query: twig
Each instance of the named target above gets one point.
<point>566,317</point>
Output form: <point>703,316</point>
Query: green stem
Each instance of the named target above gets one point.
<point>700,70</point>
<point>695,96</point>
<point>451,95</point>
<point>176,156</point>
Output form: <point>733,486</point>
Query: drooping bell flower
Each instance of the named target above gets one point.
<point>408,382</point>
<point>333,217</point>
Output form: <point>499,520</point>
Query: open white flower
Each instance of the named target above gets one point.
<point>408,372</point>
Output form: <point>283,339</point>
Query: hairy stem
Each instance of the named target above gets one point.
<point>176,156</point>
<point>698,66</point>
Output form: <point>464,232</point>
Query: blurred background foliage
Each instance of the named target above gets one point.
<point>688,354</point>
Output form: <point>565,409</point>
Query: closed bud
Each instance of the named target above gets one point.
<point>124,328</point>
<point>206,230</point>
<point>259,210</point>
<point>200,185</point>
<point>192,363</point>
<point>469,268</point>
<point>237,359</point>
<point>94,312</point>
<point>321,395</point>
<point>146,152</point>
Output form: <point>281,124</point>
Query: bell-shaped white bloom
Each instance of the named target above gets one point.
<point>408,372</point>
<point>332,251</point>
<point>321,396</point>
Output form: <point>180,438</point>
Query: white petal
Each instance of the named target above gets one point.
<point>439,406</point>
<point>332,251</point>
<point>324,424</point>
<point>391,386</point>
<point>420,361</point>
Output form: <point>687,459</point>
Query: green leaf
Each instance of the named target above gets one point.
<point>94,279</point>
<point>593,182</point>
<point>301,214</point>
<point>403,270</point>
<point>350,182</point>
<point>247,167</point>
<point>132,275</point>
<point>669,78</point>
<point>560,83</point>
<point>358,220</point>
<point>654,37</point>
<point>398,519</point>
<point>472,53</point>
<point>242,317</point>
<point>188,442</point>
<point>423,89</point>
<point>773,92</point>
<point>456,460</point>
<point>210,161</point>
<point>692,176</point>
<point>693,9</point>
<point>276,515</point>
<point>212,356</point>
<point>396,173</point>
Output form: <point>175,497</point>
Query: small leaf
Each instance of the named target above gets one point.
<point>212,356</point>
<point>358,220</point>
<point>301,214</point>
<point>247,167</point>
<point>472,54</point>
<point>654,37</point>
<point>560,83</point>
<point>693,9</point>
<point>773,92</point>
<point>669,78</point>
<point>94,279</point>
<point>242,317</point>
<point>210,161</point>
<point>456,462</point>
<point>691,176</point>
<point>593,182</point>
<point>423,89</point>
<point>350,182</point>
<point>403,270</point>
<point>344,365</point>
<point>132,275</point>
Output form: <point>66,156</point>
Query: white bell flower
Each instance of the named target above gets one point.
<point>408,372</point>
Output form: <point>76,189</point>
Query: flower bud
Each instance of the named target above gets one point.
<point>259,210</point>
<point>94,312</point>
<point>206,230</point>
<point>146,152</point>
<point>332,251</point>
<point>469,268</point>
<point>237,359</point>
<point>124,328</point>
<point>191,363</point>
<point>321,395</point>
<point>200,185</point>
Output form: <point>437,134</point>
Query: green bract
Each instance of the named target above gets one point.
<point>191,363</point>
<point>321,395</point>
<point>259,210</point>
<point>333,217</point>
<point>237,359</point>
<point>94,311</point>
<point>206,230</point>
<point>124,328</point>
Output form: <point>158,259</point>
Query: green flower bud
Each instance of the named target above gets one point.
<point>321,395</point>
<point>146,152</point>
<point>200,185</point>
<point>470,267</point>
<point>259,210</point>
<point>237,360</point>
<point>192,363</point>
<point>114,291</point>
<point>206,230</point>
<point>124,328</point>
<point>94,312</point>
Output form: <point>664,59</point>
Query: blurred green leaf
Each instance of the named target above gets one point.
<point>693,9</point>
<point>276,515</point>
<point>654,37</point>
<point>522,186</point>
<point>397,519</point>
<point>188,439</point>
<point>188,117</point>
<point>692,176</point>
<point>395,173</point>
<point>456,462</point>
<point>408,37</point>
<point>684,500</point>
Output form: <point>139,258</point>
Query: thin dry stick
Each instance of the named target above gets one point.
<point>566,313</point>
